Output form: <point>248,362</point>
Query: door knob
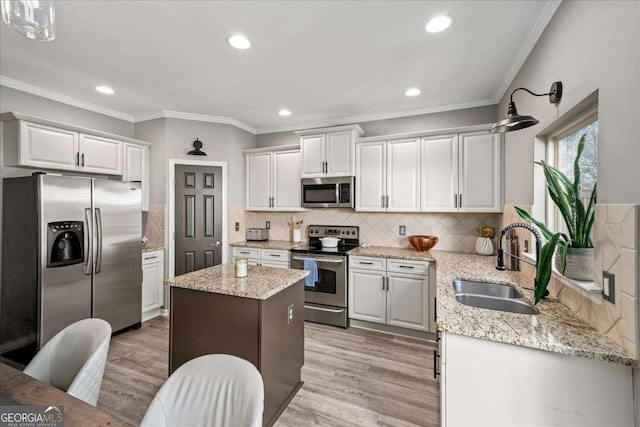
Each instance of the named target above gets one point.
<point>214,245</point>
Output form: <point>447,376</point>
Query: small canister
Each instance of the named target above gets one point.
<point>242,267</point>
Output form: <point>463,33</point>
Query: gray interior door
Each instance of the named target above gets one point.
<point>198,217</point>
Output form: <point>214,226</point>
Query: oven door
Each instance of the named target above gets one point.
<point>331,287</point>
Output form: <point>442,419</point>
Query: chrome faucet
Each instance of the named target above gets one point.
<point>501,252</point>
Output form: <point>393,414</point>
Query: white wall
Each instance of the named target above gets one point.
<point>589,46</point>
<point>442,120</point>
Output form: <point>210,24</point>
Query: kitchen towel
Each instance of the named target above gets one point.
<point>311,266</point>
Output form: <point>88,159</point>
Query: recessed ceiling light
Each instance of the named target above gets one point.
<point>439,23</point>
<point>105,89</point>
<point>239,41</point>
<point>284,112</point>
<point>414,91</point>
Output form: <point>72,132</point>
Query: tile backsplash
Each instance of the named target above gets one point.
<point>454,230</point>
<point>155,226</point>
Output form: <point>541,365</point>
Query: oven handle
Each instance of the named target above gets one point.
<point>340,310</point>
<point>333,261</point>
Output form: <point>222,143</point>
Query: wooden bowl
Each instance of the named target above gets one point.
<point>423,243</point>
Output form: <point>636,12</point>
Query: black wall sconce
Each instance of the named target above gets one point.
<point>515,121</point>
<point>197,145</point>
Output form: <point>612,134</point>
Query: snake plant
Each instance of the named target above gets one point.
<point>566,195</point>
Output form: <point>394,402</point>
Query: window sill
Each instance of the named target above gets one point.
<point>587,289</point>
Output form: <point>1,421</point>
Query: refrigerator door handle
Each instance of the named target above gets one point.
<point>88,249</point>
<point>99,240</point>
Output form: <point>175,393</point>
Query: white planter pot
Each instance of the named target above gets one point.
<point>484,246</point>
<point>579,264</point>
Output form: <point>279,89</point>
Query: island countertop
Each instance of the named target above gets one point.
<point>555,328</point>
<point>261,283</point>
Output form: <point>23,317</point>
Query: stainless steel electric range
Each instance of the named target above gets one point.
<point>326,301</point>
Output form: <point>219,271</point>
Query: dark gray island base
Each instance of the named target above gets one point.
<point>214,312</point>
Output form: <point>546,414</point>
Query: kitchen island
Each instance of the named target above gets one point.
<point>259,318</point>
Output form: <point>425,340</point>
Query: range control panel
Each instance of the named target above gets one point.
<point>343,232</point>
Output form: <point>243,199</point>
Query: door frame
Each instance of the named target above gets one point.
<point>171,205</point>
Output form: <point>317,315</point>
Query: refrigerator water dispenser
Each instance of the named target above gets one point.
<point>65,243</point>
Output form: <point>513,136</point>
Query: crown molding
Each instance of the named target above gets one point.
<point>535,31</point>
<point>169,114</point>
<point>376,116</point>
<point>65,99</point>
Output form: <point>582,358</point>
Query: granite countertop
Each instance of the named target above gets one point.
<point>261,283</point>
<point>281,245</point>
<point>152,247</point>
<point>389,252</point>
<point>555,328</point>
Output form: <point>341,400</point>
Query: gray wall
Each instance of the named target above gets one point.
<point>442,120</point>
<point>589,46</point>
<point>173,138</point>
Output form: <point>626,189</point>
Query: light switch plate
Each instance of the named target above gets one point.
<point>267,225</point>
<point>402,230</point>
<point>609,285</point>
<point>237,226</point>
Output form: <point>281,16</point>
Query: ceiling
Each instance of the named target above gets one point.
<point>328,62</point>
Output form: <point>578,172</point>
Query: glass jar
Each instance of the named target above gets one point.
<point>242,267</point>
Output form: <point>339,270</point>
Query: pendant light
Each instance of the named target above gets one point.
<point>34,19</point>
<point>515,121</point>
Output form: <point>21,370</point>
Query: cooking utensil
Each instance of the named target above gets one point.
<point>329,242</point>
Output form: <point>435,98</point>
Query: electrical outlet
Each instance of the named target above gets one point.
<point>267,225</point>
<point>289,314</point>
<point>237,226</point>
<point>402,230</point>
<point>609,285</point>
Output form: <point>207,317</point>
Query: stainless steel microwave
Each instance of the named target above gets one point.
<point>338,192</point>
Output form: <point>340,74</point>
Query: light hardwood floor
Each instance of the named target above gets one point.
<point>351,377</point>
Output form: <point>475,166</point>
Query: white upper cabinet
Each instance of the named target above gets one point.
<point>371,172</point>
<point>462,173</point>
<point>273,180</point>
<point>258,168</point>
<point>286,180</point>
<point>388,176</point>
<point>136,168</point>
<point>328,152</point>
<point>339,153</point>
<point>44,146</point>
<point>100,155</point>
<point>403,175</point>
<point>439,174</point>
<point>480,188</point>
<point>313,155</point>
<point>35,142</point>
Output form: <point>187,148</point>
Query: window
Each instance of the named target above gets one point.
<point>561,153</point>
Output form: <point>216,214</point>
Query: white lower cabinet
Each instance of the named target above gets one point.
<point>367,295</point>
<point>379,293</point>
<point>486,383</point>
<point>264,257</point>
<point>152,283</point>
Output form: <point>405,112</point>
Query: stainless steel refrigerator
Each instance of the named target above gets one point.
<point>71,250</point>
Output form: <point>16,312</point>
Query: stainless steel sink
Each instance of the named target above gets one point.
<point>492,296</point>
<point>486,289</point>
<point>492,303</point>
